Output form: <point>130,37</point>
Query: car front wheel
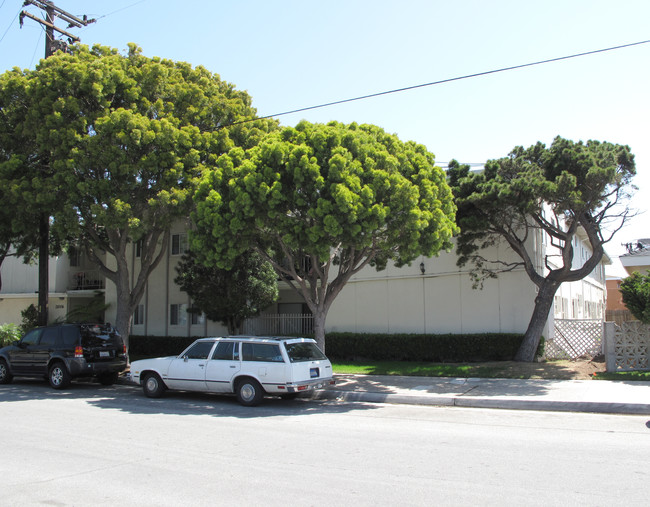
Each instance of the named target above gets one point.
<point>59,376</point>
<point>153,385</point>
<point>5,374</point>
<point>249,392</point>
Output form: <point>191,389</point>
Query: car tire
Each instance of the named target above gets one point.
<point>5,374</point>
<point>58,376</point>
<point>153,386</point>
<point>249,392</point>
<point>108,379</point>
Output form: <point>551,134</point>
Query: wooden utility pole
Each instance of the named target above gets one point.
<point>51,46</point>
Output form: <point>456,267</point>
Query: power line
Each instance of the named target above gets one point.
<point>10,24</point>
<point>121,9</point>
<point>442,81</point>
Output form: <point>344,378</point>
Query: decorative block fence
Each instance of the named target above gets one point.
<point>627,346</point>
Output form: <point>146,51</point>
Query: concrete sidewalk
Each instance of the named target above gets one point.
<point>614,397</point>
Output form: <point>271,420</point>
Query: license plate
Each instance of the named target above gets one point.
<point>313,372</point>
<point>104,353</point>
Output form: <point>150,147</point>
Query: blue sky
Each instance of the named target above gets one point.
<point>296,54</point>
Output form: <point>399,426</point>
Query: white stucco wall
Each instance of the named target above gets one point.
<point>442,300</point>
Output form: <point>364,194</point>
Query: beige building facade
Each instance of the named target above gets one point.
<point>432,295</point>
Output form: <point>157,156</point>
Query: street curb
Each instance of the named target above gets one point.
<point>477,402</point>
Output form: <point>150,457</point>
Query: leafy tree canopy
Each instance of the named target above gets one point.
<point>567,189</point>
<point>326,200</point>
<point>229,295</point>
<point>635,290</point>
<point>121,141</point>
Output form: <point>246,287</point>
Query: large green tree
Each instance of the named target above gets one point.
<point>567,191</point>
<point>635,290</point>
<point>125,138</point>
<point>229,295</point>
<point>22,169</point>
<point>321,202</point>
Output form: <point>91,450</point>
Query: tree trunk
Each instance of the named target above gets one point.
<point>319,328</point>
<point>43,268</point>
<point>543,304</point>
<point>124,315</point>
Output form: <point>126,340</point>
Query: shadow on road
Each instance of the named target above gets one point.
<point>130,399</point>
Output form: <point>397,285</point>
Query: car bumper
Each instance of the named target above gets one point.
<point>78,367</point>
<point>313,385</point>
<point>132,379</point>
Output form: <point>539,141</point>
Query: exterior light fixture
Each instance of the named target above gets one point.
<point>422,267</point>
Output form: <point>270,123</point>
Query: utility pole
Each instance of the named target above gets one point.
<point>51,46</point>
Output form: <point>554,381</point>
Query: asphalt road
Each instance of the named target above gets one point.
<point>91,445</point>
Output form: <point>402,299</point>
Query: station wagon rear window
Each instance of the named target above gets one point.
<point>261,352</point>
<point>305,351</point>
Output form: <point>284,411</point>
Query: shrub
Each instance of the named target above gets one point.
<point>635,290</point>
<point>30,317</point>
<point>9,333</point>
<point>155,346</point>
<point>444,348</point>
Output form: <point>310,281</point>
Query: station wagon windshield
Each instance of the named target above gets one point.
<point>303,352</point>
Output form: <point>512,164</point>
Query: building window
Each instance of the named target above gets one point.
<point>75,257</point>
<point>177,315</point>
<point>179,244</point>
<point>557,307</point>
<point>138,315</point>
<point>138,249</point>
<point>197,318</point>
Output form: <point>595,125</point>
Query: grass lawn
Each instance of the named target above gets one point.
<point>413,368</point>
<point>624,375</point>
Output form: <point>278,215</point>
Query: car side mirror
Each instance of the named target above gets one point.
<point>185,359</point>
<point>16,343</point>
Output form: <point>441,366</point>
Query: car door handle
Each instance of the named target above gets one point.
<point>233,366</point>
<point>201,365</point>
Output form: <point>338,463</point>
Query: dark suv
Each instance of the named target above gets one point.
<point>61,353</point>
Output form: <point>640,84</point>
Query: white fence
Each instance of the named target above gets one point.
<point>286,324</point>
<point>627,346</point>
<point>575,338</point>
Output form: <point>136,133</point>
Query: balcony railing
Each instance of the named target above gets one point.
<point>285,324</point>
<point>86,280</point>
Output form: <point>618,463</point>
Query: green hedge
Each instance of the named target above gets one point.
<point>8,334</point>
<point>157,346</point>
<point>444,348</point>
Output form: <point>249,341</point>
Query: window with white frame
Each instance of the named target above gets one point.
<point>197,318</point>
<point>177,314</point>
<point>179,244</point>
<point>138,315</point>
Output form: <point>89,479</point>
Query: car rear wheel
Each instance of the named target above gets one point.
<point>249,392</point>
<point>5,374</point>
<point>153,386</point>
<point>59,376</point>
<point>108,379</point>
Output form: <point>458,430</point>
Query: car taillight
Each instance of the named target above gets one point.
<point>124,349</point>
<point>78,351</point>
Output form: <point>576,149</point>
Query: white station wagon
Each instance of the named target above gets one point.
<point>248,366</point>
